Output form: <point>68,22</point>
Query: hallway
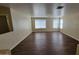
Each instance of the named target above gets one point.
<point>46,43</point>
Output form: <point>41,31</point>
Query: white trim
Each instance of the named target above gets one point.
<point>19,41</point>
<point>71,36</point>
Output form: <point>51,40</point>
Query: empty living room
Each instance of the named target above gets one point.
<point>39,28</point>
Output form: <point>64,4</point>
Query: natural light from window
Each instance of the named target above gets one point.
<point>39,23</point>
<point>57,23</point>
<point>61,23</point>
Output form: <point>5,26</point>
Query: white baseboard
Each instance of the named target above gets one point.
<point>71,36</point>
<point>77,51</point>
<point>19,42</point>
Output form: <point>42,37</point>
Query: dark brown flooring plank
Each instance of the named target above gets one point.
<point>46,43</point>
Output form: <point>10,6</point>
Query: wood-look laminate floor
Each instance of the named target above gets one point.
<point>46,43</point>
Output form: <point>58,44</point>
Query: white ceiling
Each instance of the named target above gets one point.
<point>50,7</point>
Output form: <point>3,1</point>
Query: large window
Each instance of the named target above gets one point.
<point>56,23</point>
<point>39,23</point>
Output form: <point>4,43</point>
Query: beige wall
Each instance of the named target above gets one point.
<point>21,18</point>
<point>71,20</point>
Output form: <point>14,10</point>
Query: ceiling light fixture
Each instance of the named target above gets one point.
<point>60,7</point>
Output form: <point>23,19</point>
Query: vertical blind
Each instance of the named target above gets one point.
<point>61,23</point>
<point>57,23</point>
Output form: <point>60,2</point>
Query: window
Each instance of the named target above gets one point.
<point>40,23</point>
<point>61,23</point>
<point>56,23</point>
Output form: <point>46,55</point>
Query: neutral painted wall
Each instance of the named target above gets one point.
<point>71,20</point>
<point>21,18</point>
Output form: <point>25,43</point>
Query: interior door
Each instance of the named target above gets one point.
<point>3,25</point>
